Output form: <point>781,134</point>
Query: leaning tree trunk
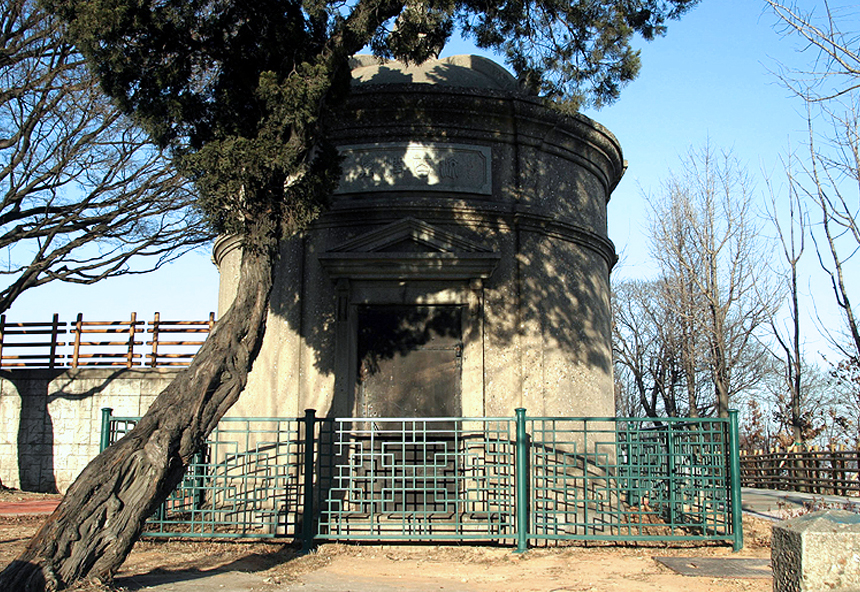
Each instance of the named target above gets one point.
<point>102,514</point>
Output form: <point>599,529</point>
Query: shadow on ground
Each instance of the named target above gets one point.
<point>236,574</point>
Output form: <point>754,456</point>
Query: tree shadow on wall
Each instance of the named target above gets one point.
<point>37,390</point>
<point>546,306</point>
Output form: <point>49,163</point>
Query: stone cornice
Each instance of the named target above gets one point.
<point>409,249</point>
<point>409,266</point>
<point>392,111</point>
<point>225,244</point>
<point>566,231</point>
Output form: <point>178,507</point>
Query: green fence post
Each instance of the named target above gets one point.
<point>308,501</point>
<point>735,481</point>
<point>522,483</point>
<point>198,461</point>
<point>671,476</point>
<point>105,435</point>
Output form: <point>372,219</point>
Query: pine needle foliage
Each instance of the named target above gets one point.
<point>240,91</point>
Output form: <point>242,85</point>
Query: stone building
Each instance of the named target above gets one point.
<point>462,268</point>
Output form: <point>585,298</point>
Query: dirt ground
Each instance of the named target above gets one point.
<point>448,568</point>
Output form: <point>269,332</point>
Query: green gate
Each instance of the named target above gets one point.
<point>418,479</point>
<point>516,481</point>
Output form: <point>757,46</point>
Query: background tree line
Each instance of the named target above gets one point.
<point>725,321</point>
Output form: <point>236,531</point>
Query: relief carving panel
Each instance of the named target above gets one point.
<point>402,166</point>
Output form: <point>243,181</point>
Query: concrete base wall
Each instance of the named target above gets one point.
<point>50,420</point>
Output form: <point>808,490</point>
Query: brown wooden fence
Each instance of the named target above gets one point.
<point>829,471</point>
<point>87,343</point>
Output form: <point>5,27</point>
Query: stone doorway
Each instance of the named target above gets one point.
<point>409,361</point>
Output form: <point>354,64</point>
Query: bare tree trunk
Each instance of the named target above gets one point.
<point>102,515</point>
<point>829,87</point>
<point>688,346</point>
<point>792,240</point>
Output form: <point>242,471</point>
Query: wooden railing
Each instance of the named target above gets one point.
<point>131,343</point>
<point>830,471</point>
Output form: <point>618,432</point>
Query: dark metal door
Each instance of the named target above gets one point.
<point>409,366</point>
<point>409,361</point>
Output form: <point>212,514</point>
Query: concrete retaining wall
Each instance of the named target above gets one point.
<point>50,420</point>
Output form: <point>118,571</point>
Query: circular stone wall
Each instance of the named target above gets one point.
<point>462,267</point>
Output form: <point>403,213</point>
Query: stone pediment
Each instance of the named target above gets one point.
<point>409,249</point>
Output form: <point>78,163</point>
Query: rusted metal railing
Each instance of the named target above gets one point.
<point>99,343</point>
<point>179,347</point>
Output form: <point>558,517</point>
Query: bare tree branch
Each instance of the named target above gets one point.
<point>791,235</point>
<point>836,63</point>
<point>82,191</point>
<point>652,366</point>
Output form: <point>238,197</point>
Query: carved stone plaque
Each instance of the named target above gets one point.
<point>400,166</point>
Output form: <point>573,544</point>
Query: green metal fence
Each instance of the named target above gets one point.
<point>628,479</point>
<point>246,482</point>
<point>515,481</point>
<point>418,479</point>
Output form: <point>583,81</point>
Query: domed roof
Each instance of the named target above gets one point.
<point>462,71</point>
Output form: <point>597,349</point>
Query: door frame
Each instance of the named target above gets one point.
<point>351,294</point>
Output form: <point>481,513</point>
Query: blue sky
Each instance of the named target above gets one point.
<point>709,79</point>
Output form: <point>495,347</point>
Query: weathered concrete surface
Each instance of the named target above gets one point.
<point>50,420</point>
<point>815,552</point>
